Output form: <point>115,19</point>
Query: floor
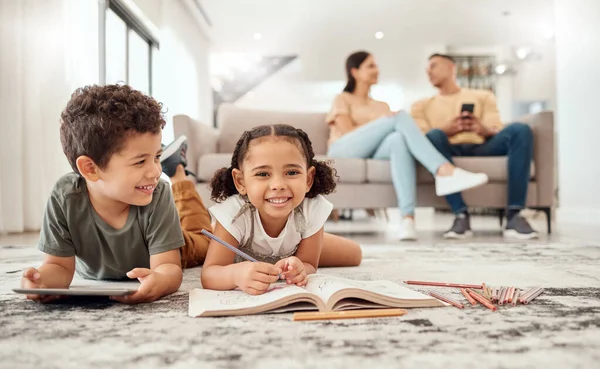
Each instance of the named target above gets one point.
<point>560,329</point>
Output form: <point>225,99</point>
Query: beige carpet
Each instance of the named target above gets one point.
<point>561,329</point>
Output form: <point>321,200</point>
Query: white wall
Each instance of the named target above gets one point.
<point>311,81</point>
<point>181,72</point>
<point>536,78</point>
<point>578,79</point>
<point>48,48</point>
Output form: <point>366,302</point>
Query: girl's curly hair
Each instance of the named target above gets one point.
<point>222,185</point>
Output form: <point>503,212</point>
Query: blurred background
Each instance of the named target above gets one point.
<point>288,55</point>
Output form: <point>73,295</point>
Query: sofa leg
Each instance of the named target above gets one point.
<point>501,215</point>
<point>548,212</point>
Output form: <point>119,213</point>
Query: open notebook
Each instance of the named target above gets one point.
<point>322,293</point>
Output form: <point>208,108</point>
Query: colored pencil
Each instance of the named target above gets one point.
<point>509,295</point>
<point>468,297</point>
<point>348,314</point>
<point>481,295</point>
<point>495,294</point>
<point>515,299</point>
<point>533,296</point>
<point>525,293</point>
<point>481,300</point>
<point>501,295</point>
<point>230,247</point>
<point>488,293</point>
<point>529,292</point>
<point>444,284</point>
<point>447,299</point>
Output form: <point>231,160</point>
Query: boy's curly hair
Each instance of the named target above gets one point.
<point>98,119</point>
<point>222,185</point>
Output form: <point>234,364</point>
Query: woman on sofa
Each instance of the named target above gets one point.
<point>361,127</point>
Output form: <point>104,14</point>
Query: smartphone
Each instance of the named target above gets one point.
<point>470,108</point>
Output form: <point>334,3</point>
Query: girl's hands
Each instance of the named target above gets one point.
<point>294,271</point>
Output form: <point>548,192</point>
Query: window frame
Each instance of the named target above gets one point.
<point>133,23</point>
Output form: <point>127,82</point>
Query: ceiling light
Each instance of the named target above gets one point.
<point>522,53</point>
<point>379,35</point>
<point>501,68</point>
<point>547,32</point>
<point>257,36</point>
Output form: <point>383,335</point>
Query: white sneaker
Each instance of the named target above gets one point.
<point>459,181</point>
<point>408,231</point>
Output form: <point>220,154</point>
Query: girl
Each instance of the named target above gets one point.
<point>361,127</point>
<point>271,207</point>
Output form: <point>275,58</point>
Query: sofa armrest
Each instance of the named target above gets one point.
<point>202,139</point>
<point>542,125</point>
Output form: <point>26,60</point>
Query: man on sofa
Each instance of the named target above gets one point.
<point>457,128</point>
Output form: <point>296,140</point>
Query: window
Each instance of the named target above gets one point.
<point>138,62</point>
<point>128,48</point>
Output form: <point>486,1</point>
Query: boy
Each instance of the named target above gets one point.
<point>113,218</point>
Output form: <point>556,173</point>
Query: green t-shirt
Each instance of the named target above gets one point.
<point>71,227</point>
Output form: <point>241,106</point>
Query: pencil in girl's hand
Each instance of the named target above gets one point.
<point>232,248</point>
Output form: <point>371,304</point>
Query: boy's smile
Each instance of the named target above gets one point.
<point>148,190</point>
<point>132,173</point>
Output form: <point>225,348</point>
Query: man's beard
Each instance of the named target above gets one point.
<point>439,83</point>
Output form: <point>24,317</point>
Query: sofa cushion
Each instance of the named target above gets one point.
<point>233,121</point>
<point>210,163</point>
<point>378,171</point>
<point>348,170</point>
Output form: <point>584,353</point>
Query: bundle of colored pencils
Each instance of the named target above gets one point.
<point>483,294</point>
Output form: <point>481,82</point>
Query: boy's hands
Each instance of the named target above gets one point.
<point>150,289</point>
<point>255,278</point>
<point>294,271</point>
<point>33,279</point>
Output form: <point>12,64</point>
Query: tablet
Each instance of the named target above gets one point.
<point>76,291</point>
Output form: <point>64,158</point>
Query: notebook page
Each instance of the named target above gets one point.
<point>325,286</point>
<point>203,300</point>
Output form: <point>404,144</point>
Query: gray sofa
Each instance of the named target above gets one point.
<point>367,183</point>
